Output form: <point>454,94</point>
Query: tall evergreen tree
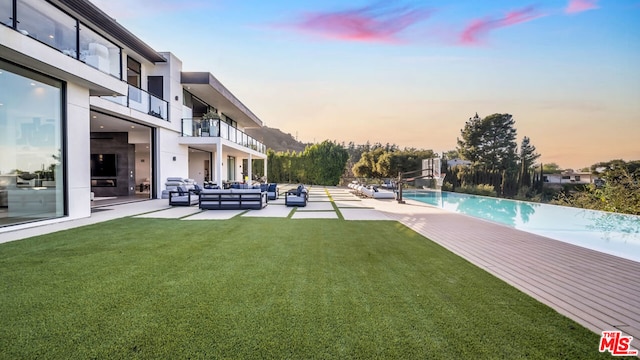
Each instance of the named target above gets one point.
<point>489,143</point>
<point>470,144</point>
<point>528,156</point>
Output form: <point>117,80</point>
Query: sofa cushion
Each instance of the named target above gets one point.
<point>246,191</point>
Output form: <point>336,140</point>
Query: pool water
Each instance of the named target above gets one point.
<point>611,233</point>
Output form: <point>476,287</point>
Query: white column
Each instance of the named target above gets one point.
<point>218,164</point>
<point>249,170</point>
<point>266,176</point>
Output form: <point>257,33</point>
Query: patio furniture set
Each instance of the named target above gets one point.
<point>185,192</point>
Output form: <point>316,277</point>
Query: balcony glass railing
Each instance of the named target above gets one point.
<point>218,128</point>
<point>142,101</point>
<point>49,25</point>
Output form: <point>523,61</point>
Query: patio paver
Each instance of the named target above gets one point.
<point>317,206</point>
<point>354,203</point>
<point>270,210</point>
<point>171,213</point>
<point>215,215</point>
<point>363,214</point>
<point>314,215</point>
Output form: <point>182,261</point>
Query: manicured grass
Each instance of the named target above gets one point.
<point>265,288</point>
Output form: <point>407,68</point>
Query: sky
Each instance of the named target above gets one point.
<point>411,73</point>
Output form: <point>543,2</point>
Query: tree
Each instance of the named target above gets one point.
<point>367,165</point>
<point>620,192</point>
<point>528,156</point>
<point>451,154</point>
<point>325,163</point>
<point>551,168</point>
<point>469,145</point>
<point>633,167</point>
<point>489,143</point>
<point>379,163</point>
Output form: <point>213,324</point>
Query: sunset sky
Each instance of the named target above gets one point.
<point>412,72</point>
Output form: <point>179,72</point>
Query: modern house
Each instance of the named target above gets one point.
<point>570,177</point>
<point>90,111</point>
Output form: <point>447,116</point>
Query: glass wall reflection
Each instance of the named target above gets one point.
<point>99,52</point>
<point>6,12</point>
<point>31,169</point>
<point>48,25</point>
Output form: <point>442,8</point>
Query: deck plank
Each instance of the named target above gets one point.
<point>597,290</point>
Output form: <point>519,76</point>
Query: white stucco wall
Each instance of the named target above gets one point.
<point>171,71</point>
<point>167,148</point>
<point>196,165</point>
<point>78,150</point>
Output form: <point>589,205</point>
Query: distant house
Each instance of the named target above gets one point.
<point>456,162</point>
<point>570,177</point>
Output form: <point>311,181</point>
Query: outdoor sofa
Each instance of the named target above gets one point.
<point>232,199</point>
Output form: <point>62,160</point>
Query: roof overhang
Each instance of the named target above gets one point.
<point>92,15</point>
<point>206,87</point>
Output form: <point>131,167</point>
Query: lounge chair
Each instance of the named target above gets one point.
<point>272,191</point>
<point>297,197</point>
<point>182,197</point>
<point>374,192</point>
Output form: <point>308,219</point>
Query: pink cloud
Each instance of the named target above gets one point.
<point>478,28</point>
<point>576,6</point>
<point>375,23</point>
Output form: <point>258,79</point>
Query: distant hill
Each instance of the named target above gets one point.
<point>276,139</point>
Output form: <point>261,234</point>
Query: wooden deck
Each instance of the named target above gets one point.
<point>597,290</point>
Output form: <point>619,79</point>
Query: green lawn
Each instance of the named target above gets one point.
<point>265,288</point>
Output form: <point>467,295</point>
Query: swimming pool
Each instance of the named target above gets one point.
<point>611,233</point>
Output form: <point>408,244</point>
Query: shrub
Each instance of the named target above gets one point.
<point>482,189</point>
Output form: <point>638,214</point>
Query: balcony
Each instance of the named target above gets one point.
<point>218,128</point>
<point>142,101</point>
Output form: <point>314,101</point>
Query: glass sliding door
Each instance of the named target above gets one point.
<point>31,146</point>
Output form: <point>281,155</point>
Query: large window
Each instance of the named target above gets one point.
<point>31,147</point>
<point>134,72</point>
